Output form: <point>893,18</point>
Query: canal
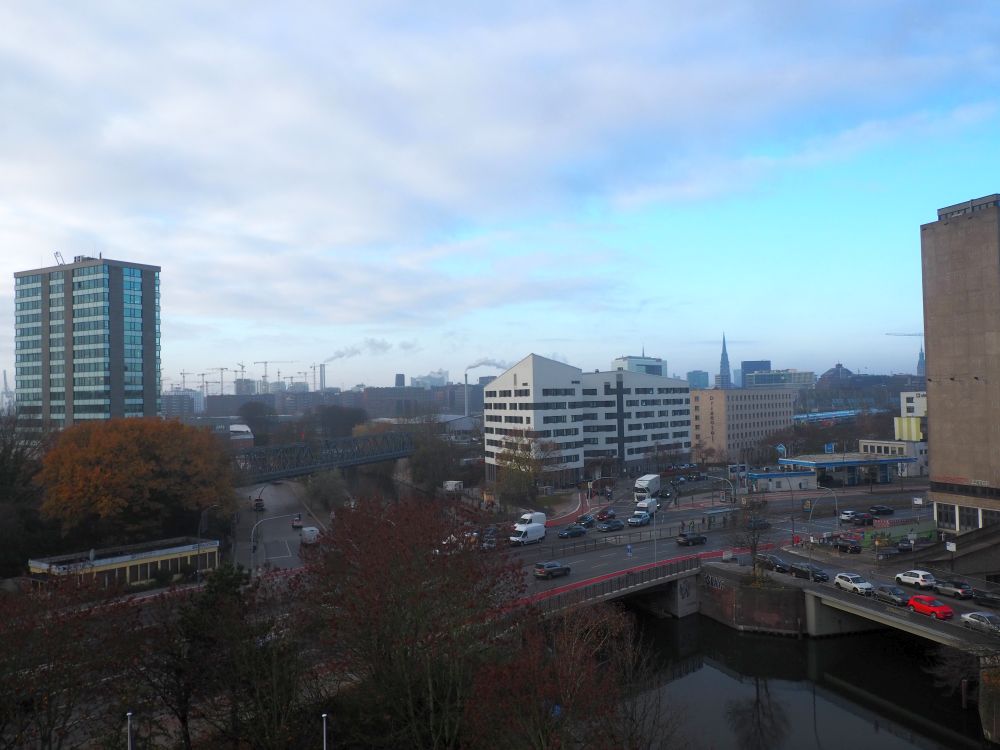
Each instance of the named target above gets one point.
<point>743,691</point>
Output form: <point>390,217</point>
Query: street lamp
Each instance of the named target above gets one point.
<point>324,731</point>
<point>128,729</point>
<point>732,491</point>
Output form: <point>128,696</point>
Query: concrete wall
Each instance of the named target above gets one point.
<point>726,597</point>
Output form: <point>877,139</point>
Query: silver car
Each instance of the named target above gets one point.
<point>986,622</point>
<point>853,582</point>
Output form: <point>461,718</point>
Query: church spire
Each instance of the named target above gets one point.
<point>725,374</point>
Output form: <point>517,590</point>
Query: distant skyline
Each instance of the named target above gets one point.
<point>398,189</point>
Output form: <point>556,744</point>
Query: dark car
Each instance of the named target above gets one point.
<point>297,521</point>
<point>989,598</point>
<point>605,514</point>
<point>586,520</point>
<point>906,545</point>
<point>863,519</point>
<point>688,538</point>
<point>892,595</point>
<point>808,571</point>
<point>550,569</point>
<point>956,589</point>
<point>771,562</point>
<point>612,524</point>
<point>574,529</point>
<point>757,524</point>
<point>881,510</point>
<point>846,544</point>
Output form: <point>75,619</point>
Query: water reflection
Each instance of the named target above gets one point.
<point>758,721</point>
<point>748,691</point>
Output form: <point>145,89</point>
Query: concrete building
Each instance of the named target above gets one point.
<point>960,255</point>
<point>729,424</point>
<point>697,379</point>
<point>178,404</point>
<point>914,449</point>
<point>779,379</point>
<point>245,386</point>
<point>584,425</point>
<point>87,336</point>
<point>633,363</point>
<point>400,380</point>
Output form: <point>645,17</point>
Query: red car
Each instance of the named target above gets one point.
<point>605,514</point>
<point>928,605</point>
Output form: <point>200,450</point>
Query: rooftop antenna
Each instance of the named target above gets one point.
<point>59,258</point>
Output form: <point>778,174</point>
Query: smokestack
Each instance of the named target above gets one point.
<point>322,377</point>
<point>467,393</point>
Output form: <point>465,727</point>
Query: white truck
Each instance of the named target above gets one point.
<point>650,505</point>
<point>453,486</point>
<point>646,486</point>
<point>529,529</point>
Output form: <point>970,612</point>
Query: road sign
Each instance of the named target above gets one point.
<point>628,550</point>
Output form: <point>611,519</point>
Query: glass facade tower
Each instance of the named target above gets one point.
<point>87,339</point>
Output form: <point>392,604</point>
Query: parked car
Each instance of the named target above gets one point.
<point>848,544</point>
<point>612,524</point>
<point>906,545</point>
<point>297,521</point>
<point>488,537</point>
<point>989,598</point>
<point>853,582</point>
<point>985,622</point>
<point>689,538</point>
<point>641,518</point>
<point>574,529</point>
<point>605,514</point>
<point>757,524</point>
<point>587,521</point>
<point>881,510</point>
<point>919,578</point>
<point>892,595</point>
<point>550,569</point>
<point>771,562</point>
<point>928,605</point>
<point>863,519</point>
<point>808,571</point>
<point>847,515</point>
<point>956,589</point>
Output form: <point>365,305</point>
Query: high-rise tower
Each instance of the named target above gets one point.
<point>921,364</point>
<point>725,374</point>
<point>961,277</point>
<point>88,341</point>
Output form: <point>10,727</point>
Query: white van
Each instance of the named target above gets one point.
<point>650,505</point>
<point>528,533</point>
<point>310,535</point>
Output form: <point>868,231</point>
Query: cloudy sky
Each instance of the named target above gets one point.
<point>406,187</point>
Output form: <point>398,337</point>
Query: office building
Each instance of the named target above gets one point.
<point>244,386</point>
<point>400,380</point>
<point>779,379</point>
<point>633,363</point>
<point>732,425</point>
<point>697,379</point>
<point>748,366</point>
<point>87,336</point>
<point>960,255</point>
<point>586,424</point>
<point>724,379</point>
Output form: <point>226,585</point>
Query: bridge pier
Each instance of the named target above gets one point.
<point>822,620</point>
<point>989,697</point>
<point>674,599</point>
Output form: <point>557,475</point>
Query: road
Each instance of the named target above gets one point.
<point>277,541</point>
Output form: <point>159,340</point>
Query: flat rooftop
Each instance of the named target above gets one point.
<point>843,460</point>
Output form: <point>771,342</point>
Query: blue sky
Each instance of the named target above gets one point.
<point>396,189</point>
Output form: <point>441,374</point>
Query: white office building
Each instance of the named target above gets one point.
<point>585,425</point>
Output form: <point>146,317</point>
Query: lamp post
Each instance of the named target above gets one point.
<point>128,729</point>
<point>732,490</point>
<point>836,512</point>
<point>202,527</point>
<point>324,731</point>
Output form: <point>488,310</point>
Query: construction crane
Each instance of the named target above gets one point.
<point>184,379</point>
<point>243,370</point>
<point>905,334</point>
<point>313,368</point>
<point>305,379</point>
<point>204,388</point>
<point>222,378</point>
<point>265,362</point>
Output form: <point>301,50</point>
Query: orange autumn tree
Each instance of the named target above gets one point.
<point>131,479</point>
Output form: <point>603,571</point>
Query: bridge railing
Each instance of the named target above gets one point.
<point>574,595</point>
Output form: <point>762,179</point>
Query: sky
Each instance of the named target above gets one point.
<point>403,188</point>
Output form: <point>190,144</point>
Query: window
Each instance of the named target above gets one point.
<point>946,516</point>
<point>968,518</point>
